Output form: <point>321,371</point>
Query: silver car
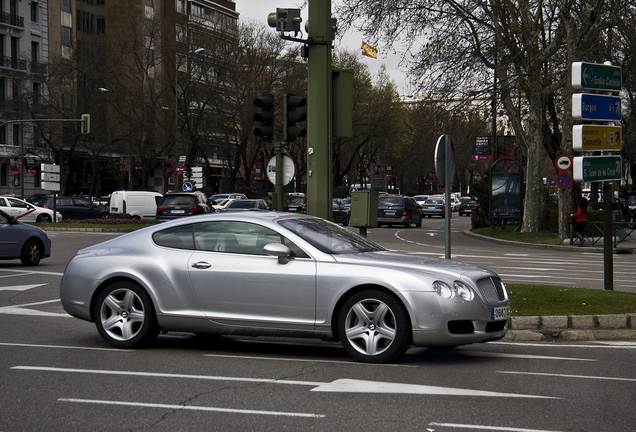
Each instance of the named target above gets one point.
<point>280,274</point>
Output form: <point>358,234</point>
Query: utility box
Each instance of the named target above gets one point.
<point>364,208</point>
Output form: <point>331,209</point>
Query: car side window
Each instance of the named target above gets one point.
<point>238,237</point>
<point>17,203</point>
<point>178,237</point>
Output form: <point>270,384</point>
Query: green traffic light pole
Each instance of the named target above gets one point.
<point>85,119</point>
<point>319,151</point>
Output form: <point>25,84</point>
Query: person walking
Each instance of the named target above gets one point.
<point>581,220</point>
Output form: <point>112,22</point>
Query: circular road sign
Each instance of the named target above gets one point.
<point>288,170</point>
<point>563,162</point>
<point>564,180</point>
<point>187,187</point>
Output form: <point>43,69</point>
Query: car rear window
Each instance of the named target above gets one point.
<point>175,200</point>
<point>391,202</point>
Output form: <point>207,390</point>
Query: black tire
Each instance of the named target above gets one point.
<point>125,316</point>
<point>377,316</point>
<point>103,215</point>
<point>44,218</point>
<point>32,253</point>
<point>408,222</point>
<point>419,223</point>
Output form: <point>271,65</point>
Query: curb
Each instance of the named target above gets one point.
<point>572,328</point>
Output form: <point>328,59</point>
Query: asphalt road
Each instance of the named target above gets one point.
<point>56,373</point>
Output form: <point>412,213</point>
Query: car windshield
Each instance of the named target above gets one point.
<point>391,202</point>
<point>434,201</point>
<point>329,237</point>
<point>296,200</point>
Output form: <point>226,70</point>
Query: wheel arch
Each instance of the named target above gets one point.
<point>105,283</point>
<point>355,290</point>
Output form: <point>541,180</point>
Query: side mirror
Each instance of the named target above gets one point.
<point>278,250</point>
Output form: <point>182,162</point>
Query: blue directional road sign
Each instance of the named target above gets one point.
<point>596,107</point>
<point>187,187</point>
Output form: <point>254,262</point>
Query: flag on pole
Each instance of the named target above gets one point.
<point>369,51</point>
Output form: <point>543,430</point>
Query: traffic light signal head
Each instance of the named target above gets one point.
<point>86,124</point>
<point>265,117</point>
<point>188,170</point>
<point>292,131</point>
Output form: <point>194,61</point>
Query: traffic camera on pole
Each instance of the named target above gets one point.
<point>292,131</point>
<point>265,117</point>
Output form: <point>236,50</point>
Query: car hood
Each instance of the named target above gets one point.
<point>387,259</point>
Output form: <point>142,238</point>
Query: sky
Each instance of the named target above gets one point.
<point>258,10</point>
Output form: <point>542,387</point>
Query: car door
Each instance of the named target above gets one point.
<point>238,284</point>
<point>11,238</point>
<point>21,210</point>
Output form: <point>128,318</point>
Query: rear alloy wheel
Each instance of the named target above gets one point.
<point>125,316</point>
<point>374,327</point>
<point>32,253</point>
<point>44,218</point>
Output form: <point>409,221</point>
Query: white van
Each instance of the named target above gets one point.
<point>134,204</point>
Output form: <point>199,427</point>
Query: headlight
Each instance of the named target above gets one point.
<point>464,291</point>
<point>443,289</point>
<point>459,290</point>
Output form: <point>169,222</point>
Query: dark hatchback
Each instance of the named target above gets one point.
<point>179,204</point>
<point>468,206</point>
<point>296,204</point>
<point>74,208</point>
<point>398,210</point>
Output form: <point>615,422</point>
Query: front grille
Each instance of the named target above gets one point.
<point>491,289</point>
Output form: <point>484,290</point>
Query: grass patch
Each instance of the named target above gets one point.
<point>543,300</point>
<point>524,237</point>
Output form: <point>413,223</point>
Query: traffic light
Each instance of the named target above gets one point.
<point>265,116</point>
<point>86,124</point>
<point>188,170</point>
<point>292,117</point>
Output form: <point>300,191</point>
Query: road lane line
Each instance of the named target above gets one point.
<point>192,408</point>
<point>23,345</point>
<point>488,428</point>
<point>569,376</point>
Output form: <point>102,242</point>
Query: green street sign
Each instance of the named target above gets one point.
<point>596,76</point>
<point>597,168</point>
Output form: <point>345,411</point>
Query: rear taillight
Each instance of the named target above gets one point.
<point>124,207</point>
<point>196,209</point>
<point>405,213</point>
<point>161,208</point>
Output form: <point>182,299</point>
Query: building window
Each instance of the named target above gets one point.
<point>3,134</point>
<point>36,94</point>
<point>66,5</point>
<point>101,25</point>
<point>35,54</point>
<point>150,3</point>
<point>16,135</point>
<point>181,6</point>
<point>3,94</point>
<point>34,11</point>
<point>67,101</point>
<point>67,36</point>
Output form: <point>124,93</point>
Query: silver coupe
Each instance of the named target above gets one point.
<point>280,274</point>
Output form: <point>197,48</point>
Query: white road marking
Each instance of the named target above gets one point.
<point>20,287</point>
<point>569,376</point>
<point>340,385</point>
<point>23,310</point>
<point>488,428</point>
<point>610,345</point>
<point>192,408</point>
<point>353,363</point>
<point>30,272</point>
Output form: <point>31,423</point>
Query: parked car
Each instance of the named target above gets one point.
<point>421,198</point>
<point>233,196</point>
<point>296,203</point>
<point>468,206</point>
<point>247,204</point>
<point>398,209</point>
<point>179,204</point>
<point>434,207</point>
<point>346,204</point>
<point>454,202</point>
<point>280,274</point>
<point>36,198</point>
<point>340,213</point>
<point>75,207</point>
<point>22,241</point>
<point>134,204</point>
<point>27,212</point>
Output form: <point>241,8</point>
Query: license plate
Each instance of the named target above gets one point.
<point>390,213</point>
<point>292,209</point>
<point>500,313</point>
<point>177,211</point>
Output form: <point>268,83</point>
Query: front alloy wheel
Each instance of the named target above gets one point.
<point>374,327</point>
<point>125,316</point>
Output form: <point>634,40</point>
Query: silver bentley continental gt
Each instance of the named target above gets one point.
<point>280,274</point>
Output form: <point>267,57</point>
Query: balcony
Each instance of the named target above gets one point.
<point>13,63</point>
<point>12,19</point>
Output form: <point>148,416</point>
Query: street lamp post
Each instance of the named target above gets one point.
<point>177,134</point>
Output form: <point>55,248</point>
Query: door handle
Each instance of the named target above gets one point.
<point>201,265</point>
